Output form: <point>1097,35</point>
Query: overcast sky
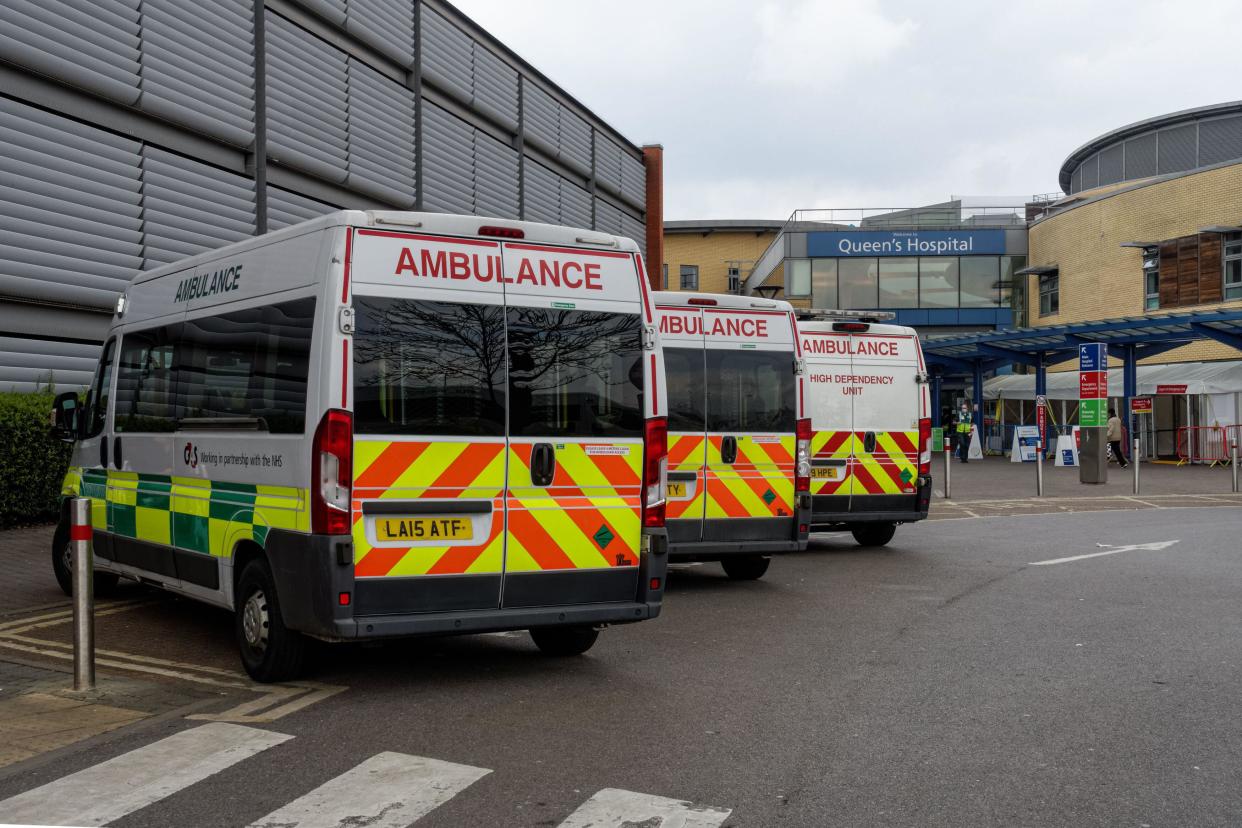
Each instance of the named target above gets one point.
<point>766,107</point>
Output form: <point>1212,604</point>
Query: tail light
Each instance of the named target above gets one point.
<point>332,461</point>
<point>655,472</point>
<point>802,468</point>
<point>925,446</point>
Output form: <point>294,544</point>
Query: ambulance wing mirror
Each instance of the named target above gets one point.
<point>66,413</point>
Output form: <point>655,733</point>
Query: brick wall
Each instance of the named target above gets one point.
<point>1099,279</point>
<point>712,252</point>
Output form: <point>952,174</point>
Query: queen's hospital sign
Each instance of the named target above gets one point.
<point>844,244</point>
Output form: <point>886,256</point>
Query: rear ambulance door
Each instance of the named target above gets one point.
<point>575,332</point>
<point>829,365</point>
<point>681,334</point>
<point>751,425</point>
<point>886,399</point>
<point>429,388</point>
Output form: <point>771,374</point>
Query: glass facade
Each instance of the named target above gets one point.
<point>903,282</point>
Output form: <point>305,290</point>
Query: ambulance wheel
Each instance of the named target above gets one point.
<point>874,534</point>
<point>746,567</point>
<point>270,651</point>
<point>564,641</point>
<point>62,566</point>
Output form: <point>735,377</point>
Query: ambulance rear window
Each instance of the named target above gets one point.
<point>683,369</point>
<point>750,391</point>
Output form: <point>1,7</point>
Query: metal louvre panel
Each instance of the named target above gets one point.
<point>607,217</point>
<point>388,25</point>
<point>306,101</point>
<point>1111,163</point>
<point>542,196</point>
<point>448,162</point>
<point>285,208</point>
<point>1220,140</point>
<point>381,136</point>
<point>215,95</point>
<point>92,44</point>
<point>1178,148</point>
<point>575,205</point>
<point>70,213</point>
<point>633,180</point>
<point>574,144</point>
<point>447,55</point>
<point>32,364</point>
<point>541,121</point>
<point>333,10</point>
<point>634,228</point>
<point>1141,157</point>
<point>189,207</point>
<point>607,163</point>
<point>495,87</point>
<point>1089,173</point>
<point>495,178</point>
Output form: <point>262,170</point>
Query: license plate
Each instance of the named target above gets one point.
<point>676,489</point>
<point>423,529</point>
<point>826,472</point>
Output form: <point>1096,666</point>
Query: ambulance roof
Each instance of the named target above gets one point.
<point>437,223</point>
<point>688,299</point>
<point>825,326</point>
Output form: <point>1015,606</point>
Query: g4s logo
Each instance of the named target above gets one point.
<point>190,455</point>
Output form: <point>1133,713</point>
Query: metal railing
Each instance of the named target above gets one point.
<point>1202,444</point>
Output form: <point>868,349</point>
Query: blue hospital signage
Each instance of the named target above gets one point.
<point>846,243</point>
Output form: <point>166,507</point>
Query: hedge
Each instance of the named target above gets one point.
<point>32,464</point>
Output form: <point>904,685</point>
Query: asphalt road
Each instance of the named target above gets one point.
<point>941,681</point>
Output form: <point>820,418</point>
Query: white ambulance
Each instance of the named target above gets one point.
<point>867,398</point>
<point>384,424</point>
<point>739,471</point>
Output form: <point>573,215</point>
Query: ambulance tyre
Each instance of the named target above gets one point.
<point>270,651</point>
<point>62,566</point>
<point>874,534</point>
<point>564,641</point>
<point>745,567</point>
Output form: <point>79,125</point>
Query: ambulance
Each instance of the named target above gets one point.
<point>379,424</point>
<point>739,446</point>
<point>871,429</point>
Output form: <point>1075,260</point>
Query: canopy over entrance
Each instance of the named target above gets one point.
<point>1153,380</point>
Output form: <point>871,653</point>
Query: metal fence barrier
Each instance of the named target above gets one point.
<point>1202,444</point>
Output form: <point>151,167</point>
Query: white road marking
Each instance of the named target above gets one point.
<point>615,808</point>
<point>1109,551</point>
<point>389,790</point>
<point>110,790</point>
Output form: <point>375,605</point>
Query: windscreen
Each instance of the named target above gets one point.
<point>750,391</point>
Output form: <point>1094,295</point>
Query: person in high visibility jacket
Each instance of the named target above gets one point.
<point>964,426</point>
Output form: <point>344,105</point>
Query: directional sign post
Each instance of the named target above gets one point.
<point>1041,420</point>
<point>1093,412</point>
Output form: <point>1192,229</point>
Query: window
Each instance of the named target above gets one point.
<point>799,282</point>
<point>1010,286</point>
<point>938,282</point>
<point>1151,278</point>
<point>824,283</point>
<point>145,401</point>
<point>247,365</point>
<point>689,277</point>
<point>899,283</point>
<point>683,370</point>
<point>574,373</point>
<point>97,397</point>
<point>432,368</point>
<point>1233,266</point>
<point>735,279</point>
<point>1049,294</point>
<point>750,391</point>
<point>980,281</point>
<point>859,287</point>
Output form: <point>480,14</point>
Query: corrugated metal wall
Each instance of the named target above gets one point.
<point>133,133</point>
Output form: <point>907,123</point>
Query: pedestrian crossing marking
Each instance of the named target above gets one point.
<point>389,790</point>
<point>615,808</point>
<point>110,790</point>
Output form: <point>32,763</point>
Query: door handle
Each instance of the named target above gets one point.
<point>728,450</point>
<point>117,458</point>
<point>103,452</point>
<point>869,442</point>
<point>542,464</point>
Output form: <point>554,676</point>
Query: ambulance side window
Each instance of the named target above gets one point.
<point>97,396</point>
<point>428,368</point>
<point>144,386</point>
<point>574,373</point>
<point>750,391</point>
<point>683,370</point>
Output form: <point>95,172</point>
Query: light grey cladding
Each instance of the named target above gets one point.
<point>1220,140</point>
<point>285,208</point>
<point>34,364</point>
<point>448,60</point>
<point>385,25</point>
<point>448,161</point>
<point>70,212</point>
<point>607,217</point>
<point>495,177</point>
<point>381,136</point>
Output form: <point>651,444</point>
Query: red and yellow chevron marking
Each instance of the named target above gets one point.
<point>589,518</point>
<point>686,454</point>
<point>760,483</point>
<point>401,470</point>
<point>878,472</point>
<point>832,445</point>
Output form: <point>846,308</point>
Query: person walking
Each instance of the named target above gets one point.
<point>964,427</point>
<point>1114,437</point>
